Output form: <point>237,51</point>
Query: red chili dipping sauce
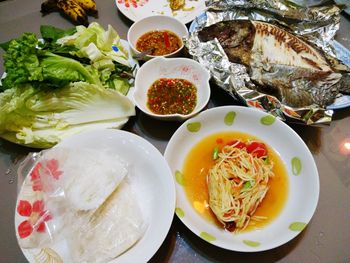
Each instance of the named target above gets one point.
<point>172,95</point>
<point>159,42</point>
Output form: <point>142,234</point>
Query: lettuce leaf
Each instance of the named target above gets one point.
<point>26,63</point>
<point>105,51</point>
<point>21,61</point>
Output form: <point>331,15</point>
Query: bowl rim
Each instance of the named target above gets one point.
<point>169,18</point>
<point>163,59</point>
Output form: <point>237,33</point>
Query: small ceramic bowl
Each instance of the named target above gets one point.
<point>154,23</point>
<point>182,68</point>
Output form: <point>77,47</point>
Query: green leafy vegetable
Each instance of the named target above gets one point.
<point>119,84</point>
<point>106,53</point>
<point>88,54</point>
<point>97,44</point>
<point>52,34</point>
<point>25,63</point>
<point>70,82</point>
<point>21,61</point>
<point>40,119</point>
<point>59,71</point>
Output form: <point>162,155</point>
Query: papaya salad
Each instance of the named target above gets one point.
<point>238,182</point>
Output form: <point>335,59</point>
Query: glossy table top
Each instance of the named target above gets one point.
<point>325,239</point>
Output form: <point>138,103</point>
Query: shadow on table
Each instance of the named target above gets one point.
<point>181,245</point>
<point>14,151</point>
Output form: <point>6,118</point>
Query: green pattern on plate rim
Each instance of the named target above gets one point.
<point>296,165</point>
<point>194,126</point>
<point>297,226</point>
<point>179,212</point>
<point>179,177</point>
<point>229,118</point>
<point>267,120</point>
<point>207,237</point>
<point>251,243</point>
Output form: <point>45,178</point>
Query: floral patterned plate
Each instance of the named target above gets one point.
<point>137,9</point>
<point>149,177</point>
<point>303,180</point>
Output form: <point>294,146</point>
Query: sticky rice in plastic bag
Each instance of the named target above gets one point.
<point>111,230</point>
<point>73,194</point>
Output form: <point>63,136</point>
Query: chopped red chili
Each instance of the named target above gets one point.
<point>159,42</point>
<point>172,95</point>
<point>166,39</point>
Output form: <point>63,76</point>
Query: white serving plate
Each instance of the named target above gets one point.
<point>150,179</point>
<point>136,10</point>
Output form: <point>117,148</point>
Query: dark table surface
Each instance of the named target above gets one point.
<point>327,236</point>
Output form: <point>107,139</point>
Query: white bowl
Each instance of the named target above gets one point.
<point>183,68</point>
<point>153,23</point>
<point>303,179</point>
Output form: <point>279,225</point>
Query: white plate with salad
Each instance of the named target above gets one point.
<point>183,10</point>
<point>71,81</point>
<point>245,181</point>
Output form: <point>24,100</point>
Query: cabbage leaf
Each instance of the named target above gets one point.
<point>40,119</point>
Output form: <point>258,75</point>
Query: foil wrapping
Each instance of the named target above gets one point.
<point>315,24</point>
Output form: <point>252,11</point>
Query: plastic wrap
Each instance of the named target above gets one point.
<point>79,203</point>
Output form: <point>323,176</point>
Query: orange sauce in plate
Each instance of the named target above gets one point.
<point>199,161</point>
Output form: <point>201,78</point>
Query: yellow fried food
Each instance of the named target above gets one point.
<point>73,10</point>
<point>88,5</point>
<point>176,4</point>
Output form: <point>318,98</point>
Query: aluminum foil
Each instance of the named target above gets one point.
<point>316,24</point>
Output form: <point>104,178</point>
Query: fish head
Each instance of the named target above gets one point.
<point>235,36</point>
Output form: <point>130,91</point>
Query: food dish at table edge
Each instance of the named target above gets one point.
<point>145,8</point>
<point>341,51</point>
<point>144,176</point>
<point>303,190</point>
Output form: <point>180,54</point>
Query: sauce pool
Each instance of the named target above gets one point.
<point>159,42</point>
<point>172,95</point>
<point>199,161</point>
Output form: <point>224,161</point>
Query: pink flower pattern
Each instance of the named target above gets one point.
<point>133,3</point>
<point>37,217</point>
<point>44,168</point>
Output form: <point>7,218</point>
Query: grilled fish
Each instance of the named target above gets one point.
<point>278,61</point>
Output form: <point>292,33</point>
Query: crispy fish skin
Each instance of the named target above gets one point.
<point>236,37</point>
<point>277,60</point>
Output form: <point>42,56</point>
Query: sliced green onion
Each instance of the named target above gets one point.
<point>215,153</point>
<point>246,186</point>
<point>267,160</point>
